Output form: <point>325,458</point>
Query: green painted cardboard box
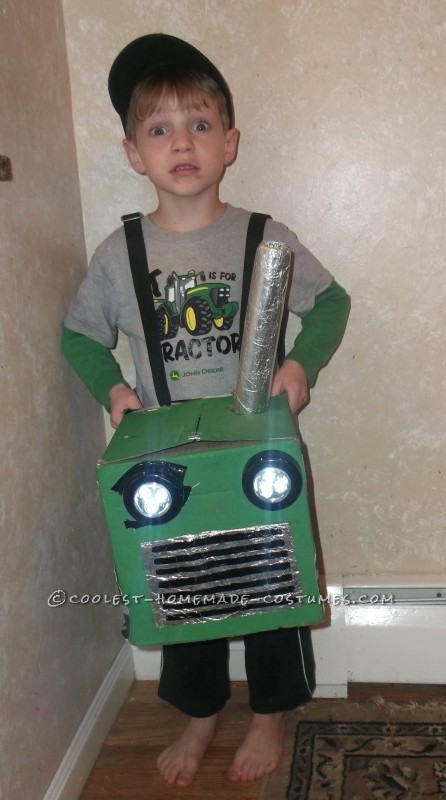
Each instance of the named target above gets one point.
<point>209,522</point>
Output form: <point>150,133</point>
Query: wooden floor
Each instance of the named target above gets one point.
<point>126,767</point>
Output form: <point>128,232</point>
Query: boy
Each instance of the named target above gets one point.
<point>177,114</point>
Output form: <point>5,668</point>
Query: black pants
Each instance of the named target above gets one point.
<point>279,667</point>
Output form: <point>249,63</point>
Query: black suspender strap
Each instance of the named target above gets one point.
<point>143,290</point>
<point>254,236</point>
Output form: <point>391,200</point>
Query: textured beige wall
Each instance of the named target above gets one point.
<point>52,661</point>
<point>341,106</point>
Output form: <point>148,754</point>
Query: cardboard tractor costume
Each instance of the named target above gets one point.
<point>207,510</point>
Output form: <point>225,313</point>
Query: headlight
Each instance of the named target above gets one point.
<point>152,499</point>
<point>272,484</point>
<point>272,480</point>
<point>153,492</point>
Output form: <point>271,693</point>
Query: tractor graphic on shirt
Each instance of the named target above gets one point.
<point>194,306</point>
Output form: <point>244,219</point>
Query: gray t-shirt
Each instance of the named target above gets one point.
<point>194,275</point>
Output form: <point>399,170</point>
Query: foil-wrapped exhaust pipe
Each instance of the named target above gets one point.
<point>262,326</point>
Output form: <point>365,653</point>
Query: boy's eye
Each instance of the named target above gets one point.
<point>201,126</point>
<point>158,131</point>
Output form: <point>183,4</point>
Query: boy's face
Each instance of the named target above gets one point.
<point>182,151</point>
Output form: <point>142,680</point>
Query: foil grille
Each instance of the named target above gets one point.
<point>219,574</point>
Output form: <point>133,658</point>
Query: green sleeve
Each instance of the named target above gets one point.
<point>322,330</point>
<point>93,362</point>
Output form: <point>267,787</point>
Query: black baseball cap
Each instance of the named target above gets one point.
<point>149,53</point>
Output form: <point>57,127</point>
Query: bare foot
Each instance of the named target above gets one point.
<point>179,762</point>
<point>261,751</point>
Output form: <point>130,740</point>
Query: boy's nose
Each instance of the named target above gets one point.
<point>182,142</point>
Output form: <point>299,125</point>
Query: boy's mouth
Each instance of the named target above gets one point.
<point>184,169</point>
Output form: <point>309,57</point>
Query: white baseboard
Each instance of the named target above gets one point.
<point>78,761</point>
<point>403,641</point>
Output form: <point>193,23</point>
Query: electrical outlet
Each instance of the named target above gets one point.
<point>5,169</point>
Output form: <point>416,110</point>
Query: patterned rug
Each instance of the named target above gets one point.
<point>375,750</point>
<point>368,761</point>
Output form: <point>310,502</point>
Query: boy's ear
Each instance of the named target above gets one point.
<point>231,145</point>
<point>133,156</point>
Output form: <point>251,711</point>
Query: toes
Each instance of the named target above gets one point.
<point>254,772</point>
<point>184,779</point>
<point>174,776</point>
<point>251,771</point>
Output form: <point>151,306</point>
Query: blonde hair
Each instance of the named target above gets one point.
<point>189,89</point>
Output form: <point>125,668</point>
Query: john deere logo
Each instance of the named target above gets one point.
<point>174,375</point>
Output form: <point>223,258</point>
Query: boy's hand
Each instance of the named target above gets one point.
<point>292,379</point>
<point>122,399</point>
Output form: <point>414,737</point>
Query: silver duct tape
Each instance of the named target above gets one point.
<point>262,326</point>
